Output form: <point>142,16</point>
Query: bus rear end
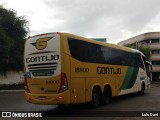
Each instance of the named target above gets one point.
<point>45,83</point>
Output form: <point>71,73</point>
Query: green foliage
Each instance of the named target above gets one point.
<point>144,49</point>
<point>13,30</point>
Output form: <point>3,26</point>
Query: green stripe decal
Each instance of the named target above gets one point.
<point>130,78</point>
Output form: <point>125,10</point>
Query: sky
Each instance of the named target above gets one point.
<point>116,20</point>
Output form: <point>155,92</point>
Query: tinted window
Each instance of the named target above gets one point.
<point>93,53</point>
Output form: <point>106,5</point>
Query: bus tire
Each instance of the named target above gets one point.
<point>142,89</point>
<point>106,96</point>
<point>95,98</point>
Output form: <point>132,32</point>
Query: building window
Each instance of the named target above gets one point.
<point>155,62</point>
<point>155,51</point>
<point>155,40</point>
<point>145,41</point>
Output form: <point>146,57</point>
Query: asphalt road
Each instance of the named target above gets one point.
<point>125,105</point>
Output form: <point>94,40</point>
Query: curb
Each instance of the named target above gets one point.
<point>11,91</point>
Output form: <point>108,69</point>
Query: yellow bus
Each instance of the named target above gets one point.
<point>62,68</point>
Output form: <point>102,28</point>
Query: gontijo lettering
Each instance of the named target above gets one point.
<point>42,58</point>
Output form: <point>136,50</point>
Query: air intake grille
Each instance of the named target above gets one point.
<point>43,69</point>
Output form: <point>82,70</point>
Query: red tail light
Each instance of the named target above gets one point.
<point>25,84</point>
<point>58,33</point>
<point>64,83</point>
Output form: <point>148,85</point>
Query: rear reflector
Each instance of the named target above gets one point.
<point>59,98</point>
<point>27,97</point>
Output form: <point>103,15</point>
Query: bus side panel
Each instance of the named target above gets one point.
<point>77,86</point>
<point>97,77</point>
<point>77,90</point>
<point>119,81</point>
<point>133,80</point>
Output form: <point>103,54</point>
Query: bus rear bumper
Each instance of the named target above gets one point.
<point>48,99</point>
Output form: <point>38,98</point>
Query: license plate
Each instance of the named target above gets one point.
<point>42,98</point>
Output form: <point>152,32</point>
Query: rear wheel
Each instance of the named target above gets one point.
<point>106,97</point>
<point>95,98</point>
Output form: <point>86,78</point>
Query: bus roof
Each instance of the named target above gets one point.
<point>137,51</point>
<point>123,48</point>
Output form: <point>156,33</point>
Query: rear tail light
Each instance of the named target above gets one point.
<point>64,83</point>
<point>26,84</point>
<point>58,33</point>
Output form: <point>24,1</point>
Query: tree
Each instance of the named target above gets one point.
<point>13,30</point>
<point>144,49</point>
